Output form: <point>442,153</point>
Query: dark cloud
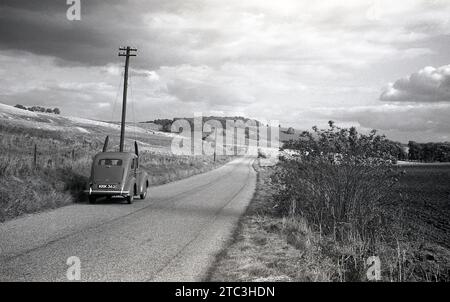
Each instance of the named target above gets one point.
<point>41,27</point>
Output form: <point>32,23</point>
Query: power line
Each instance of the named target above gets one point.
<point>117,97</point>
<point>133,100</point>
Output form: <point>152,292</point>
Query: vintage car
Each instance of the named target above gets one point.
<point>117,174</point>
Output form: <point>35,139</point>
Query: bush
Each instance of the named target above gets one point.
<point>337,179</point>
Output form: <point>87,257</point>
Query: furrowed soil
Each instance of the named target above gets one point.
<point>426,201</point>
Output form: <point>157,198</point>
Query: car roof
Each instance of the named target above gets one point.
<point>115,155</point>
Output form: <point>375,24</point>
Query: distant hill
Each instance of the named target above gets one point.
<point>286,134</point>
<point>67,126</point>
<point>166,124</point>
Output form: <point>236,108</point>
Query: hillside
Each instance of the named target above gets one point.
<point>64,150</point>
<point>68,126</point>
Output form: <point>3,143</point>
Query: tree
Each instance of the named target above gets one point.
<point>21,107</point>
<point>396,149</point>
<point>48,110</point>
<point>429,152</point>
<point>415,150</point>
<point>166,124</point>
<point>290,130</point>
<point>56,111</point>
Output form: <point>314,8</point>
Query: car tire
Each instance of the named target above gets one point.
<point>144,194</point>
<point>130,198</point>
<point>92,199</point>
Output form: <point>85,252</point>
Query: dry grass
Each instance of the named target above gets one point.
<point>270,248</point>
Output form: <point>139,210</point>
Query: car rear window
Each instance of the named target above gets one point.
<point>110,162</point>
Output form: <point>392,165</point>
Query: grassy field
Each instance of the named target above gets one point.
<point>267,247</point>
<point>65,147</point>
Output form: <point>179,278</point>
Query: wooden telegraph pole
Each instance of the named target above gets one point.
<point>128,53</point>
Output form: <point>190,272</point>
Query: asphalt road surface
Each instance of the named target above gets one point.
<point>173,235</point>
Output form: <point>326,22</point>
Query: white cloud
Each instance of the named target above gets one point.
<point>429,84</point>
<point>330,32</point>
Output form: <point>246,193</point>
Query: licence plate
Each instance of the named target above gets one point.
<point>106,186</point>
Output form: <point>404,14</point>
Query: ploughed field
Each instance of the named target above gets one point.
<point>425,193</point>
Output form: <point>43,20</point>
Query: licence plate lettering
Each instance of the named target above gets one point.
<point>106,186</point>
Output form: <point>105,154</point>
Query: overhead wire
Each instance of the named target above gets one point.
<point>117,96</point>
<point>133,99</point>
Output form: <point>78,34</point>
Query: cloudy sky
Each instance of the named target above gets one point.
<point>374,64</point>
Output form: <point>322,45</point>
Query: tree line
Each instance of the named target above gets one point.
<point>39,109</point>
<point>429,152</point>
<point>166,124</point>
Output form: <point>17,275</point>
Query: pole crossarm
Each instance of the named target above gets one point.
<point>128,47</point>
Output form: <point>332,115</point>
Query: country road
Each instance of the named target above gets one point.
<point>173,235</point>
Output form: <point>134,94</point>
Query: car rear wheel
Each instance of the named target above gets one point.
<point>144,194</point>
<point>130,198</point>
<point>92,199</point>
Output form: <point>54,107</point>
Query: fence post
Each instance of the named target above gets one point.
<point>215,143</point>
<point>35,156</point>
<point>73,154</point>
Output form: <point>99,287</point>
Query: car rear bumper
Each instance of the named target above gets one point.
<point>107,192</point>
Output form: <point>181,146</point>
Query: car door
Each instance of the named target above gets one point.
<point>135,167</point>
<point>133,170</point>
